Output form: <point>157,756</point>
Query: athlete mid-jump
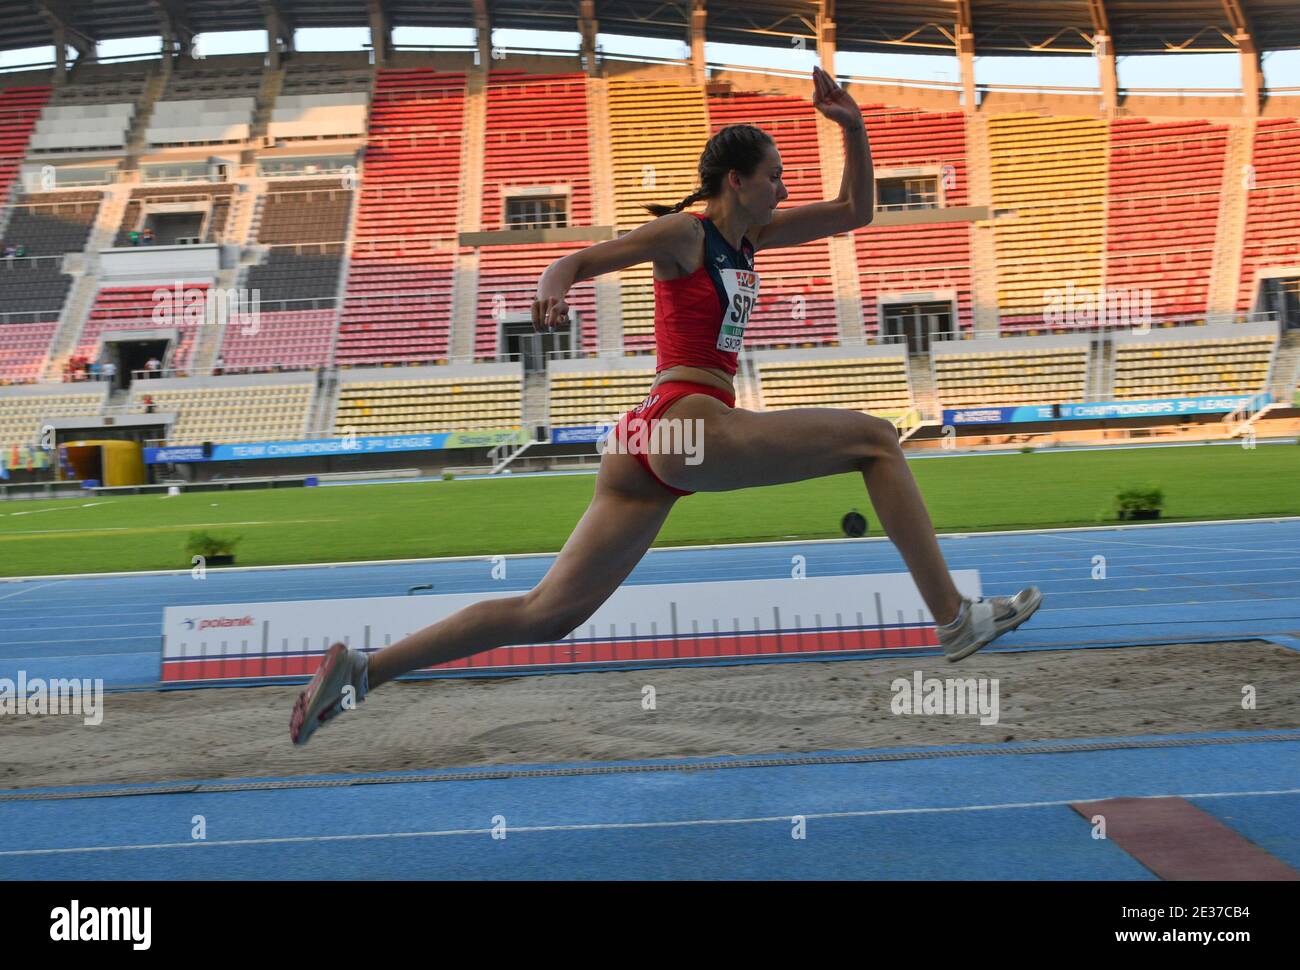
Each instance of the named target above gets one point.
<point>705,288</point>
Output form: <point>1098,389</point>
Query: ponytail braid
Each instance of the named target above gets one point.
<point>664,210</point>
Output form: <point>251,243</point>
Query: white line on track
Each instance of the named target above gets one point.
<point>30,589</point>
<point>614,826</point>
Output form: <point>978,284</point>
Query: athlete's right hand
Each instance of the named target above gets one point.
<point>549,312</point>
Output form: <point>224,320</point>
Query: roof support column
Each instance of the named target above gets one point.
<point>966,57</point>
<point>380,39</point>
<point>826,36</point>
<point>588,27</point>
<point>699,68</point>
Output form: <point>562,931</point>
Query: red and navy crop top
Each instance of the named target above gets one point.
<point>700,319</point>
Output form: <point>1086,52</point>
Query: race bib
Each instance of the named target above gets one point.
<point>741,286</point>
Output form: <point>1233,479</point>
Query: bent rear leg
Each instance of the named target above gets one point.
<point>739,448</point>
<point>622,521</point>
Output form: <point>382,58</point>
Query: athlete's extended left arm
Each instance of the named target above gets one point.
<point>855,206</point>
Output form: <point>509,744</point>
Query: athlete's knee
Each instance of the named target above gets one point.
<point>879,439</point>
<point>548,618</point>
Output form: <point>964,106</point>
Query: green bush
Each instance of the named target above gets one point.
<point>1139,498</point>
<point>206,545</point>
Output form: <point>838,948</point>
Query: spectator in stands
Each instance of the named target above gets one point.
<point>149,406</point>
<point>90,369</point>
<point>10,252</point>
<point>147,236</point>
<point>108,370</point>
<point>22,251</point>
<point>220,366</point>
<point>134,237</point>
<point>152,366</point>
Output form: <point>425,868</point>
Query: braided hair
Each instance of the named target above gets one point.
<point>739,147</point>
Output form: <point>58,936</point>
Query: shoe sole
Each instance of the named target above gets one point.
<point>326,673</point>
<point>954,657</point>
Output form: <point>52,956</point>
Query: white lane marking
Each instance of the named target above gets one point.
<point>613,826</point>
<point>29,589</point>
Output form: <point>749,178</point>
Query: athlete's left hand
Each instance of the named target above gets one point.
<point>833,101</point>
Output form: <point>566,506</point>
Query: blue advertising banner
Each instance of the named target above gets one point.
<point>357,445</point>
<point>1210,404</point>
<point>589,432</point>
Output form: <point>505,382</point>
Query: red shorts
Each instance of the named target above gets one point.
<point>653,407</point>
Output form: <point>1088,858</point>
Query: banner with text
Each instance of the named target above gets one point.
<point>646,624</point>
<point>347,445</point>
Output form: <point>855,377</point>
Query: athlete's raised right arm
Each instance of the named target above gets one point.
<point>666,238</point>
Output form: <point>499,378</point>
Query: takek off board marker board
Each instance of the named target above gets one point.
<point>665,622</point>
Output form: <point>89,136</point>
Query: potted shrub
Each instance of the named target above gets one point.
<point>1140,502</point>
<point>215,550</point>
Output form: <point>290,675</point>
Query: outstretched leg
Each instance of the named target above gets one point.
<point>745,449</point>
<point>621,522</point>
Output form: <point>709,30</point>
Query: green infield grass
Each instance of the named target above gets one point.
<point>536,514</point>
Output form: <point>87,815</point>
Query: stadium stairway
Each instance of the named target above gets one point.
<point>535,406</point>
<point>1230,236</point>
<point>272,81</point>
<point>920,376</point>
<point>1286,367</point>
<point>135,138</point>
<point>81,297</point>
<point>207,343</point>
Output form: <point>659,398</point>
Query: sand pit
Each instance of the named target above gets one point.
<point>699,711</point>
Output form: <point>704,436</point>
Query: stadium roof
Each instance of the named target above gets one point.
<point>1003,27</point>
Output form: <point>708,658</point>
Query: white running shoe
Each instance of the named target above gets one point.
<point>983,620</point>
<point>323,698</point>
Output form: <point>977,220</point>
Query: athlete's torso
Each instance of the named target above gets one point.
<point>702,305</point>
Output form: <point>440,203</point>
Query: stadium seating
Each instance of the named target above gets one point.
<point>901,259</point>
<point>1272,204</point>
<point>104,84</point>
<point>877,384</point>
<point>1014,375</point>
<point>312,116</point>
<point>65,127</point>
<point>33,288</point>
<point>1164,185</point>
<point>227,411</point>
<point>1052,172</point>
<point>1183,368</point>
<point>326,74</point>
<point>398,302</point>
<point>20,107</point>
<point>305,224</point>
<point>462,403</point>
<point>119,308</point>
<point>585,397</point>
<point>21,415</point>
<point>208,121</point>
<point>652,164</point>
<point>508,284</point>
<point>545,119</point>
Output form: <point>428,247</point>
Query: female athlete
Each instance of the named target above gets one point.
<point>705,287</point>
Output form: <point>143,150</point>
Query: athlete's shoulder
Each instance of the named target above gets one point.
<point>684,232</point>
